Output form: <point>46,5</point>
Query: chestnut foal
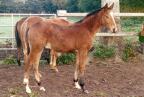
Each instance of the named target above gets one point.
<point>20,34</point>
<point>76,37</point>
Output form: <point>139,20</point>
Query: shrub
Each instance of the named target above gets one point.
<point>9,60</point>
<point>66,58</point>
<point>103,52</point>
<point>128,51</point>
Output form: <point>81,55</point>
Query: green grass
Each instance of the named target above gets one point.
<point>74,19</point>
<point>102,51</point>
<point>131,24</point>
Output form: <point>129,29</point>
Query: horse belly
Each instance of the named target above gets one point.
<point>63,48</point>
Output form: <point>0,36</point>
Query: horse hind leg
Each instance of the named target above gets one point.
<point>36,70</point>
<point>18,56</point>
<point>53,58</point>
<point>33,60</point>
<point>26,76</point>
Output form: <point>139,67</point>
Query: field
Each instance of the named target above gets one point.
<point>104,78</point>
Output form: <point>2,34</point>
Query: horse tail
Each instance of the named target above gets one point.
<point>18,44</point>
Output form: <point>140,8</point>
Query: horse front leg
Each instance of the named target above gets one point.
<point>83,54</point>
<point>76,72</point>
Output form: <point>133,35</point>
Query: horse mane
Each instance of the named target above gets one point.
<point>90,14</point>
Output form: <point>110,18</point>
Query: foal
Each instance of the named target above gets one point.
<point>77,38</point>
<point>26,23</point>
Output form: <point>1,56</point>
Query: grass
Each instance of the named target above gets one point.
<point>102,51</point>
<point>131,24</point>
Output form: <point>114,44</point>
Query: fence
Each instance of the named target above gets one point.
<point>13,21</point>
<point>8,21</point>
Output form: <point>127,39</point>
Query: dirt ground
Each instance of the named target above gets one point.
<point>104,78</point>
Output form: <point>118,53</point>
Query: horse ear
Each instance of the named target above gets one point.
<point>106,5</point>
<point>111,7</point>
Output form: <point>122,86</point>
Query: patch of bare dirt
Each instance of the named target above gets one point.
<point>103,78</point>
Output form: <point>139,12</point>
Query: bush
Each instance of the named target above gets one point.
<point>128,51</point>
<point>66,58</point>
<point>103,52</point>
<point>9,60</point>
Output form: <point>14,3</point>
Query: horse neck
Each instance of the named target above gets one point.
<point>92,23</point>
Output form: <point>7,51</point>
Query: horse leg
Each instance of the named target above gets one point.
<point>18,55</point>
<point>82,64</point>
<point>27,68</point>
<point>76,72</point>
<point>53,59</point>
<point>36,70</point>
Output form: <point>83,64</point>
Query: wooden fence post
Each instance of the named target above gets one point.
<point>62,12</point>
<point>117,41</point>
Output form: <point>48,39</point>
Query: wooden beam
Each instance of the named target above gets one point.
<point>117,34</point>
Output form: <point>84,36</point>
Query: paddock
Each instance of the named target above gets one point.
<point>106,78</point>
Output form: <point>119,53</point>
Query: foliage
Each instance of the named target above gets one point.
<point>129,24</point>
<point>89,5</point>
<point>66,59</point>
<point>103,52</point>
<point>38,6</point>
<point>128,51</point>
<point>132,5</point>
<point>72,6</point>
<point>9,60</point>
<point>48,7</point>
<point>61,4</point>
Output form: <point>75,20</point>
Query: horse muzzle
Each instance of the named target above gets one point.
<point>114,30</point>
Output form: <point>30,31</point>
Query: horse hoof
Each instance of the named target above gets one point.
<point>86,91</point>
<point>28,90</point>
<point>77,86</point>
<point>42,89</point>
<point>55,69</point>
<point>25,81</point>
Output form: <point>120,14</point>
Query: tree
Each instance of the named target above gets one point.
<point>132,5</point>
<point>72,6</point>
<point>89,5</point>
<point>49,7</point>
<point>61,4</point>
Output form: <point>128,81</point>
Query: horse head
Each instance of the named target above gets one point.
<point>107,18</point>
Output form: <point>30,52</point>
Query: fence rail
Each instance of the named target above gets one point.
<point>115,14</point>
<point>12,24</point>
